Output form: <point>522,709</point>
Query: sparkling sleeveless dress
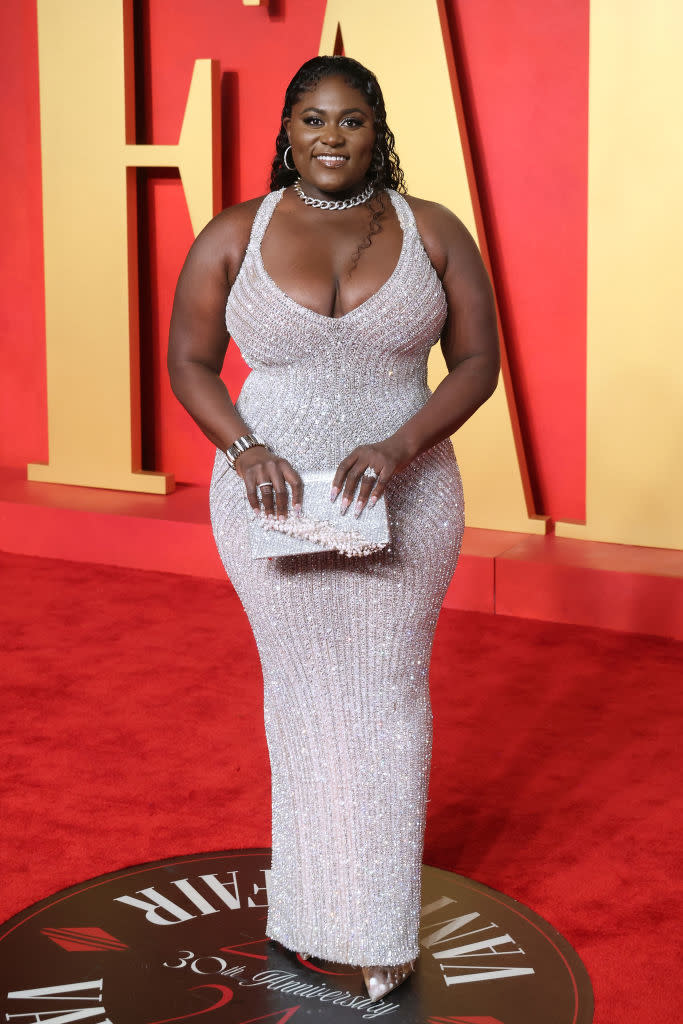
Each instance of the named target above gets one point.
<point>344,643</point>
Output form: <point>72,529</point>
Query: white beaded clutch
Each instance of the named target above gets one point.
<point>320,527</point>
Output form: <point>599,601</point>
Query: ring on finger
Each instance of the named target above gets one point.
<point>374,478</point>
<point>265,492</point>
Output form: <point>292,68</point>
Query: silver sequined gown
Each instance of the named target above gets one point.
<point>344,643</point>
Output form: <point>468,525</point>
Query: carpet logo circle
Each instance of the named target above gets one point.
<point>184,938</point>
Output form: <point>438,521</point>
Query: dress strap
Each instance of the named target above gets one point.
<point>262,218</point>
<point>406,217</point>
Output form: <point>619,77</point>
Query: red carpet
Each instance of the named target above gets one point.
<point>132,729</point>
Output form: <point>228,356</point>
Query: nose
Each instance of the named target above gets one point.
<point>332,136</point>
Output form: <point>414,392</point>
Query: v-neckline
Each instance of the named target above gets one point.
<point>403,224</point>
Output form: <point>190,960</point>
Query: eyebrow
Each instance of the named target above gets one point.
<point>349,110</point>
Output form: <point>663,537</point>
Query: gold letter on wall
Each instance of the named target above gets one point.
<point>404,43</point>
<point>634,481</point>
<point>89,221</point>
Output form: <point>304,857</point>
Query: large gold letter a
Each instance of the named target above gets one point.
<point>405,43</point>
<point>89,220</point>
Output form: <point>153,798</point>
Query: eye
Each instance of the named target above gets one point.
<point>352,122</point>
<point>312,119</point>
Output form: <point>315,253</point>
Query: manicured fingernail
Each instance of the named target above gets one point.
<point>297,509</point>
<point>359,508</point>
<point>344,505</point>
<point>333,493</point>
<point>373,499</point>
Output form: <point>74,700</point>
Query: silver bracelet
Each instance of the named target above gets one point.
<point>241,445</point>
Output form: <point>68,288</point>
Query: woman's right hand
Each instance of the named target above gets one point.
<point>257,466</point>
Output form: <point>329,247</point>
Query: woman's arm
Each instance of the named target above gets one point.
<point>198,338</point>
<point>197,344</point>
<point>469,342</point>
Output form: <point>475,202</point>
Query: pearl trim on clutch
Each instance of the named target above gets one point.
<point>321,531</point>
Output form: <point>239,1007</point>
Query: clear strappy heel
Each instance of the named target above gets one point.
<point>379,981</point>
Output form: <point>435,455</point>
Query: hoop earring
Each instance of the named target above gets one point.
<point>284,159</point>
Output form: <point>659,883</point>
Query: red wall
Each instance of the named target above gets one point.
<point>23,417</point>
<point>524,70</point>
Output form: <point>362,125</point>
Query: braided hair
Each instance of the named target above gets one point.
<point>385,168</point>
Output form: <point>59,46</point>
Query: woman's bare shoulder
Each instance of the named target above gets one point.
<point>443,233</point>
<point>225,238</point>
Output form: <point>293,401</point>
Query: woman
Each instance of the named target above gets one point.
<point>335,309</point>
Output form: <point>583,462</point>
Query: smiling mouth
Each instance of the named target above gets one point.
<point>331,160</point>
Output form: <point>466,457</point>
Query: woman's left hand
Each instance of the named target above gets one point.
<point>382,459</point>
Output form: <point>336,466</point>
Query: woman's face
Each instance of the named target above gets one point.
<point>332,134</point>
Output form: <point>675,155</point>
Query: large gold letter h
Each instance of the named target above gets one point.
<point>90,234</point>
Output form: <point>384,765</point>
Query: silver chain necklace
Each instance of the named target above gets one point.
<point>336,204</point>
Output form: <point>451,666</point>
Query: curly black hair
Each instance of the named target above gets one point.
<point>385,168</point>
